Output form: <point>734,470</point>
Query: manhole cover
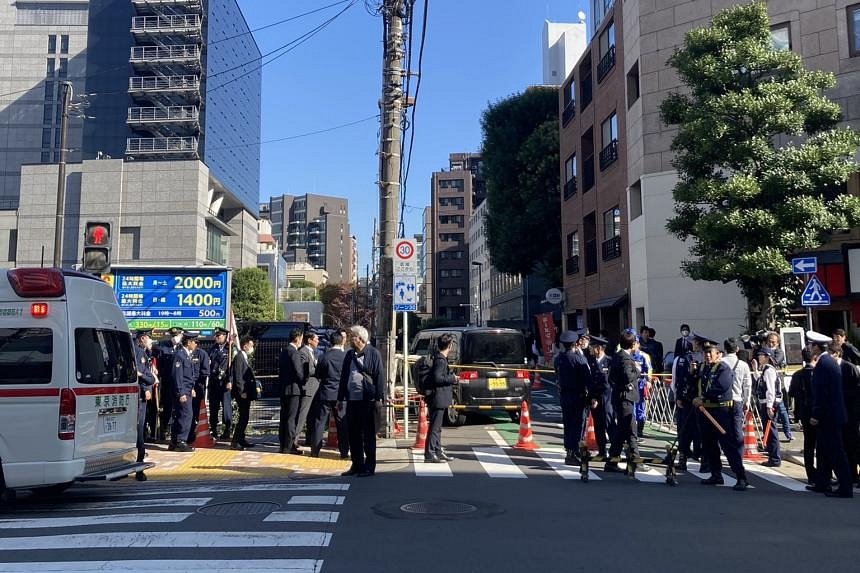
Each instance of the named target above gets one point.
<point>438,508</point>
<point>239,508</point>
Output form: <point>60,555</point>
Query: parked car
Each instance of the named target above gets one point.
<point>270,339</point>
<point>498,356</point>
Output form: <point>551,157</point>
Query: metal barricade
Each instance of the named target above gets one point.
<point>660,406</point>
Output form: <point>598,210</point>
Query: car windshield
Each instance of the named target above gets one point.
<point>497,347</point>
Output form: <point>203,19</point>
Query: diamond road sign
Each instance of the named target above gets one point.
<point>803,265</point>
<point>815,294</point>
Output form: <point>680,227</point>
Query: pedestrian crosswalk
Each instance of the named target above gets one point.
<point>166,529</point>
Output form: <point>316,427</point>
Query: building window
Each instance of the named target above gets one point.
<point>607,51</point>
<point>570,177</point>
<point>569,111</point>
<point>450,273</point>
<point>49,90</point>
<point>612,223</point>
<point>48,113</point>
<point>129,241</point>
<point>636,208</point>
<point>12,256</point>
<point>64,44</point>
<point>57,138</point>
<point>451,220</point>
<point>52,44</point>
<point>216,245</point>
<point>609,140</point>
<point>451,202</point>
<point>451,237</point>
<point>46,138</point>
<point>573,244</point>
<point>780,35</point>
<point>451,184</point>
<point>64,68</point>
<point>633,84</point>
<point>46,157</point>
<point>451,255</point>
<point>50,66</point>
<point>854,30</point>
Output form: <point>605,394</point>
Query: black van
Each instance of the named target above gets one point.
<point>487,349</point>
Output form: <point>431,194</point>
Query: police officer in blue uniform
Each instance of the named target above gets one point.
<point>184,378</point>
<point>200,359</point>
<point>164,359</point>
<point>716,397</point>
<point>685,372</point>
<point>600,392</point>
<point>218,392</point>
<point>146,380</point>
<point>572,373</point>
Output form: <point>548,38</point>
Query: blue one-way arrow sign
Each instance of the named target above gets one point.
<point>815,294</point>
<point>803,265</point>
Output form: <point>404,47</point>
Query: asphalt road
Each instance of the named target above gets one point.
<point>493,508</point>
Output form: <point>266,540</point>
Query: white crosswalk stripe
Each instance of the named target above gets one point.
<point>94,520</point>
<point>497,464</point>
<point>428,469</point>
<point>125,504</point>
<point>303,516</point>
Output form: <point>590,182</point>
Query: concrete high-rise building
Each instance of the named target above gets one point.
<point>425,264</point>
<point>481,270</point>
<point>314,229</point>
<point>622,267</point>
<point>562,46</point>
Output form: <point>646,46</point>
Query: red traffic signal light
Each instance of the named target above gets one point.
<point>97,235</point>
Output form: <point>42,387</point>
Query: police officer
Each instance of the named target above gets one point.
<point>146,379</point>
<point>184,378</point>
<point>164,353</point>
<point>599,392</point>
<point>218,392</point>
<point>200,359</point>
<point>572,373</point>
<point>716,397</point>
<point>685,372</point>
<point>769,394</point>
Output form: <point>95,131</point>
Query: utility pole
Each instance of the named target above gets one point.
<point>391,107</point>
<point>61,178</point>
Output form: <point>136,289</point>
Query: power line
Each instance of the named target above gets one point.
<point>300,135</point>
<point>401,232</point>
<point>278,23</point>
<point>414,105</point>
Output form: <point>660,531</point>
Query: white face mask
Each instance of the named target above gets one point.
<point>249,352</point>
<point>148,344</point>
<point>176,339</point>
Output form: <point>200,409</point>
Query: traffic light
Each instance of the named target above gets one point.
<point>97,247</point>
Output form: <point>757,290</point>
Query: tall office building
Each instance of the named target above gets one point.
<point>314,229</point>
<point>562,46</point>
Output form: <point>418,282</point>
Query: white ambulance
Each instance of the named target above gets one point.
<point>68,383</point>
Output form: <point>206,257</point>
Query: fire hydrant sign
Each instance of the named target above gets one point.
<point>405,258</point>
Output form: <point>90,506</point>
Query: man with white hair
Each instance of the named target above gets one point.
<point>362,384</point>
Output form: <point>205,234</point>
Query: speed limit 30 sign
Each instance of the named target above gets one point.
<point>405,257</point>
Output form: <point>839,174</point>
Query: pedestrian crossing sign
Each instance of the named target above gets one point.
<point>815,294</point>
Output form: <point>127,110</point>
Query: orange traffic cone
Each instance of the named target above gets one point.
<point>423,426</point>
<point>537,383</point>
<point>590,436</point>
<point>203,439</point>
<point>750,444</point>
<point>331,439</point>
<point>526,440</point>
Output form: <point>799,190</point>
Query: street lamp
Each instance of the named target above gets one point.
<point>480,301</point>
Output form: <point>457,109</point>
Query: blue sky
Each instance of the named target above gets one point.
<point>476,51</point>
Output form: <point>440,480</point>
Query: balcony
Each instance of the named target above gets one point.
<point>569,113</point>
<point>188,54</point>
<point>167,24</point>
<point>172,114</point>
<point>607,62</point>
<point>153,6</point>
<point>571,265</point>
<point>570,188</point>
<point>591,257</point>
<point>588,173</point>
<point>142,85</point>
<point>611,248</point>
<point>609,154</point>
<point>161,145</point>
<point>585,89</point>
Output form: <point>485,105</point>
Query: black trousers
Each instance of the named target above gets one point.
<point>195,416</point>
<point>626,432</point>
<point>851,438</point>
<point>302,420</point>
<point>151,417</point>
<point>810,437</point>
<point>321,410</point>
<point>599,416</point>
<point>219,401</point>
<point>831,457</point>
<point>689,439</point>
<point>181,419</point>
<point>167,399</point>
<point>572,406</point>
<point>433,445</point>
<point>772,444</point>
<point>244,407</point>
<point>141,429</point>
<point>361,416</point>
<point>287,423</point>
<point>712,441</point>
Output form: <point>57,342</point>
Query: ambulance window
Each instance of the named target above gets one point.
<point>103,357</point>
<point>26,355</point>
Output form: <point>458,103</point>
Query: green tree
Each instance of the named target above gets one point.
<point>338,305</point>
<point>521,168</point>
<point>761,161</point>
<point>252,296</point>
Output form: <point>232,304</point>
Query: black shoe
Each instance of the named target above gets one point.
<point>140,476</point>
<point>445,457</point>
<point>741,485</point>
<point>315,452</point>
<point>845,494</point>
<point>297,452</point>
<point>365,474</point>
<point>713,480</point>
<point>248,445</point>
<point>612,467</point>
<point>431,459</point>
<point>238,447</point>
<point>704,468</point>
<point>344,456</point>
<point>171,447</point>
<point>351,472</point>
<point>771,464</point>
<point>817,489</point>
<point>183,447</point>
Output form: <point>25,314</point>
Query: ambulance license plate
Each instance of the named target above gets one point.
<point>109,424</point>
<point>497,384</point>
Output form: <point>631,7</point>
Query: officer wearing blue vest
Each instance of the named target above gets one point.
<point>146,380</point>
<point>716,397</point>
<point>184,378</point>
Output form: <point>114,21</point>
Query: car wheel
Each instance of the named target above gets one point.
<point>515,416</point>
<point>7,496</point>
<point>51,490</point>
<point>454,417</point>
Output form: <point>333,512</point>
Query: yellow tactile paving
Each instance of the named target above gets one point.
<point>212,463</point>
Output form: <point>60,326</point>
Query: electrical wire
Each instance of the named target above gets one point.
<point>405,124</point>
<point>300,135</point>
<point>278,23</point>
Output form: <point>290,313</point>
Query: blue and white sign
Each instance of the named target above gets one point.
<point>405,294</point>
<point>803,265</point>
<point>815,294</point>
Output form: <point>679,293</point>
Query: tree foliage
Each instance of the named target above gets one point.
<point>337,302</point>
<point>521,168</point>
<point>252,296</point>
<point>761,161</point>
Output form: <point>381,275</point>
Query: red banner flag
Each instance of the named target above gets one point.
<point>546,330</point>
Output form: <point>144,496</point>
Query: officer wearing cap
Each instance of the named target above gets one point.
<point>218,393</point>
<point>572,373</point>
<point>716,397</point>
<point>164,353</point>
<point>200,359</point>
<point>184,378</point>
<point>599,392</point>
<point>829,416</point>
<point>146,380</point>
<point>768,393</point>
<point>644,362</point>
<point>685,381</point>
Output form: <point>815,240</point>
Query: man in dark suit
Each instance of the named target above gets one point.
<point>244,390</point>
<point>600,393</point>
<point>362,382</point>
<point>682,344</point>
<point>441,383</point>
<point>291,379</point>
<point>308,352</point>
<point>325,402</point>
<point>624,377</point>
